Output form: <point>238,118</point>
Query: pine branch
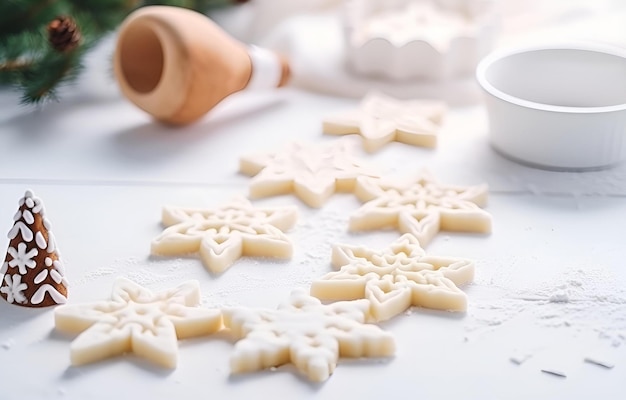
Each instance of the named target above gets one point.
<point>22,45</point>
<point>27,15</point>
<point>14,65</point>
<point>105,15</point>
<point>29,62</point>
<point>19,52</point>
<point>40,81</point>
<point>198,5</point>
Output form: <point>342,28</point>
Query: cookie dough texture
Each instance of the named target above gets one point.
<point>224,234</point>
<point>421,206</point>
<point>381,119</point>
<point>136,320</point>
<point>313,172</point>
<point>395,278</point>
<point>306,333</point>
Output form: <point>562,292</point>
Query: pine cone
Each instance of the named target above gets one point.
<point>63,34</point>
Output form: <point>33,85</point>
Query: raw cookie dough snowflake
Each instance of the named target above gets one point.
<point>306,333</point>
<point>312,172</point>
<point>136,320</point>
<point>381,119</point>
<point>395,278</point>
<point>225,234</point>
<point>421,207</point>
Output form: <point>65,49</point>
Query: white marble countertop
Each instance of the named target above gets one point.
<point>549,282</point>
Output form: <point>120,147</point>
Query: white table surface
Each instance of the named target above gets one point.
<point>104,170</point>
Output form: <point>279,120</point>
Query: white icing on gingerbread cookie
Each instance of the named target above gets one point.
<point>138,321</point>
<point>14,288</point>
<point>381,119</point>
<point>312,172</point>
<point>421,207</point>
<point>40,294</point>
<point>306,333</point>
<point>395,278</point>
<point>22,259</point>
<point>225,234</point>
<point>40,240</point>
<point>41,276</point>
<point>21,227</point>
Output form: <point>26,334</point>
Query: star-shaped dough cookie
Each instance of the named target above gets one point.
<point>312,171</point>
<point>381,119</point>
<point>395,278</point>
<point>306,333</point>
<point>138,321</point>
<point>225,234</point>
<point>421,207</point>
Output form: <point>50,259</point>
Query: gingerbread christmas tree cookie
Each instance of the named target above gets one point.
<point>381,119</point>
<point>32,273</point>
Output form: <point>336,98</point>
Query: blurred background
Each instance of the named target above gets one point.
<point>43,57</point>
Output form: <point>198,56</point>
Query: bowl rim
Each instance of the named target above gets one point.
<point>498,55</point>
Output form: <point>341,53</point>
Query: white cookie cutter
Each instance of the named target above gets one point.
<point>560,107</point>
<point>418,55</point>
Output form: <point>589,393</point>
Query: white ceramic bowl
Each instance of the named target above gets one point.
<point>560,107</point>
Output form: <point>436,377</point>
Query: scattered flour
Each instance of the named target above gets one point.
<point>7,344</point>
<point>582,299</point>
<point>95,275</point>
<point>559,296</point>
<point>519,357</point>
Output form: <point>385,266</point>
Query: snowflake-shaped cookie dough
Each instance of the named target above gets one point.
<point>381,119</point>
<point>136,320</point>
<point>395,278</point>
<point>421,207</point>
<point>312,171</point>
<point>306,333</point>
<point>225,234</point>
